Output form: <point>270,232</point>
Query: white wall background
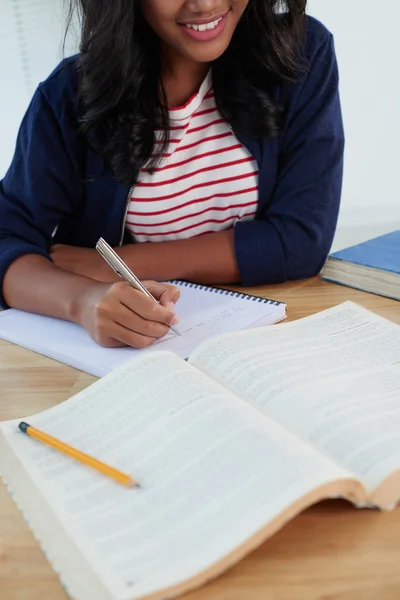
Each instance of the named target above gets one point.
<point>367,48</point>
<point>31,36</point>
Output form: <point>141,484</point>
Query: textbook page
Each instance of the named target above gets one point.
<point>353,419</point>
<point>212,472</point>
<point>333,379</point>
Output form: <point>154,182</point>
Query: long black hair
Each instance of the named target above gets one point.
<point>120,76</point>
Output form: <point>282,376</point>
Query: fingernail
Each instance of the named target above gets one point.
<point>174,321</point>
<point>171,306</point>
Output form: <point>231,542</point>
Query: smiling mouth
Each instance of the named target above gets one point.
<point>206,29</point>
<point>204,26</point>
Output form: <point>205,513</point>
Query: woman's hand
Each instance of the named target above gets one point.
<point>118,315</point>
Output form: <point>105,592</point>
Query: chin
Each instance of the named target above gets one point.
<point>206,55</point>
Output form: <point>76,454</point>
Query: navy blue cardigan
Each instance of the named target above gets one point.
<point>45,197</point>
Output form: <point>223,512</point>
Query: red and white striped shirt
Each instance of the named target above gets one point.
<point>206,182</point>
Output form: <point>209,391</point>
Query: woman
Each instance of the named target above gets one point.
<point>208,132</point>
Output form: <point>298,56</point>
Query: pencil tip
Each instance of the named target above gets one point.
<point>134,484</point>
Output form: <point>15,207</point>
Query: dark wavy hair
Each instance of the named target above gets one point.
<point>120,76</point>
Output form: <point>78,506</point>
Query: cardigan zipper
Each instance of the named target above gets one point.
<point>127,201</point>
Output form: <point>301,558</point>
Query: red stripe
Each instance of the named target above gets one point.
<point>202,212</point>
<point>205,112</point>
<point>197,201</point>
<point>219,136</point>
<point>201,127</point>
<point>175,127</point>
<point>209,95</point>
<point>193,173</point>
<point>206,139</point>
<point>198,114</point>
<point>191,226</point>
<point>195,157</point>
<point>196,187</point>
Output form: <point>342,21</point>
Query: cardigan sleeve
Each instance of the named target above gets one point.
<point>42,185</point>
<point>292,236</point>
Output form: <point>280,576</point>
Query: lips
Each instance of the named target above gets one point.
<point>216,17</point>
<point>205,29</point>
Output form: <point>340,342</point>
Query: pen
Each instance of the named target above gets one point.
<point>121,269</point>
<point>81,457</point>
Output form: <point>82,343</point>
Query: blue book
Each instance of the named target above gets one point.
<point>372,266</point>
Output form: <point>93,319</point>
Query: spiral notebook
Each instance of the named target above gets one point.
<point>204,312</point>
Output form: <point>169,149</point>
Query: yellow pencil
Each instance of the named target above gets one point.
<point>85,459</point>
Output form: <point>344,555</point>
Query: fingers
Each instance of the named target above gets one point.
<point>117,314</point>
<point>116,325</point>
<point>168,295</point>
<point>135,322</point>
<point>122,336</point>
<point>146,308</point>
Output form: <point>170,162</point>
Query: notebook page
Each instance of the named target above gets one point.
<point>202,314</point>
<point>212,473</point>
<point>333,379</point>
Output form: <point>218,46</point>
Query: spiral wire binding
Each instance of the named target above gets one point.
<point>224,292</point>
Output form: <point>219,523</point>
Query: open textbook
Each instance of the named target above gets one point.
<point>227,447</point>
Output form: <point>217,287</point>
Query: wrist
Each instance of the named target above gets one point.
<point>77,302</point>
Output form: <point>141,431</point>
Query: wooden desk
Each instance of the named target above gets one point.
<point>330,552</point>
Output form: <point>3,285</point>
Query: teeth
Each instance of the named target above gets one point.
<point>205,26</point>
